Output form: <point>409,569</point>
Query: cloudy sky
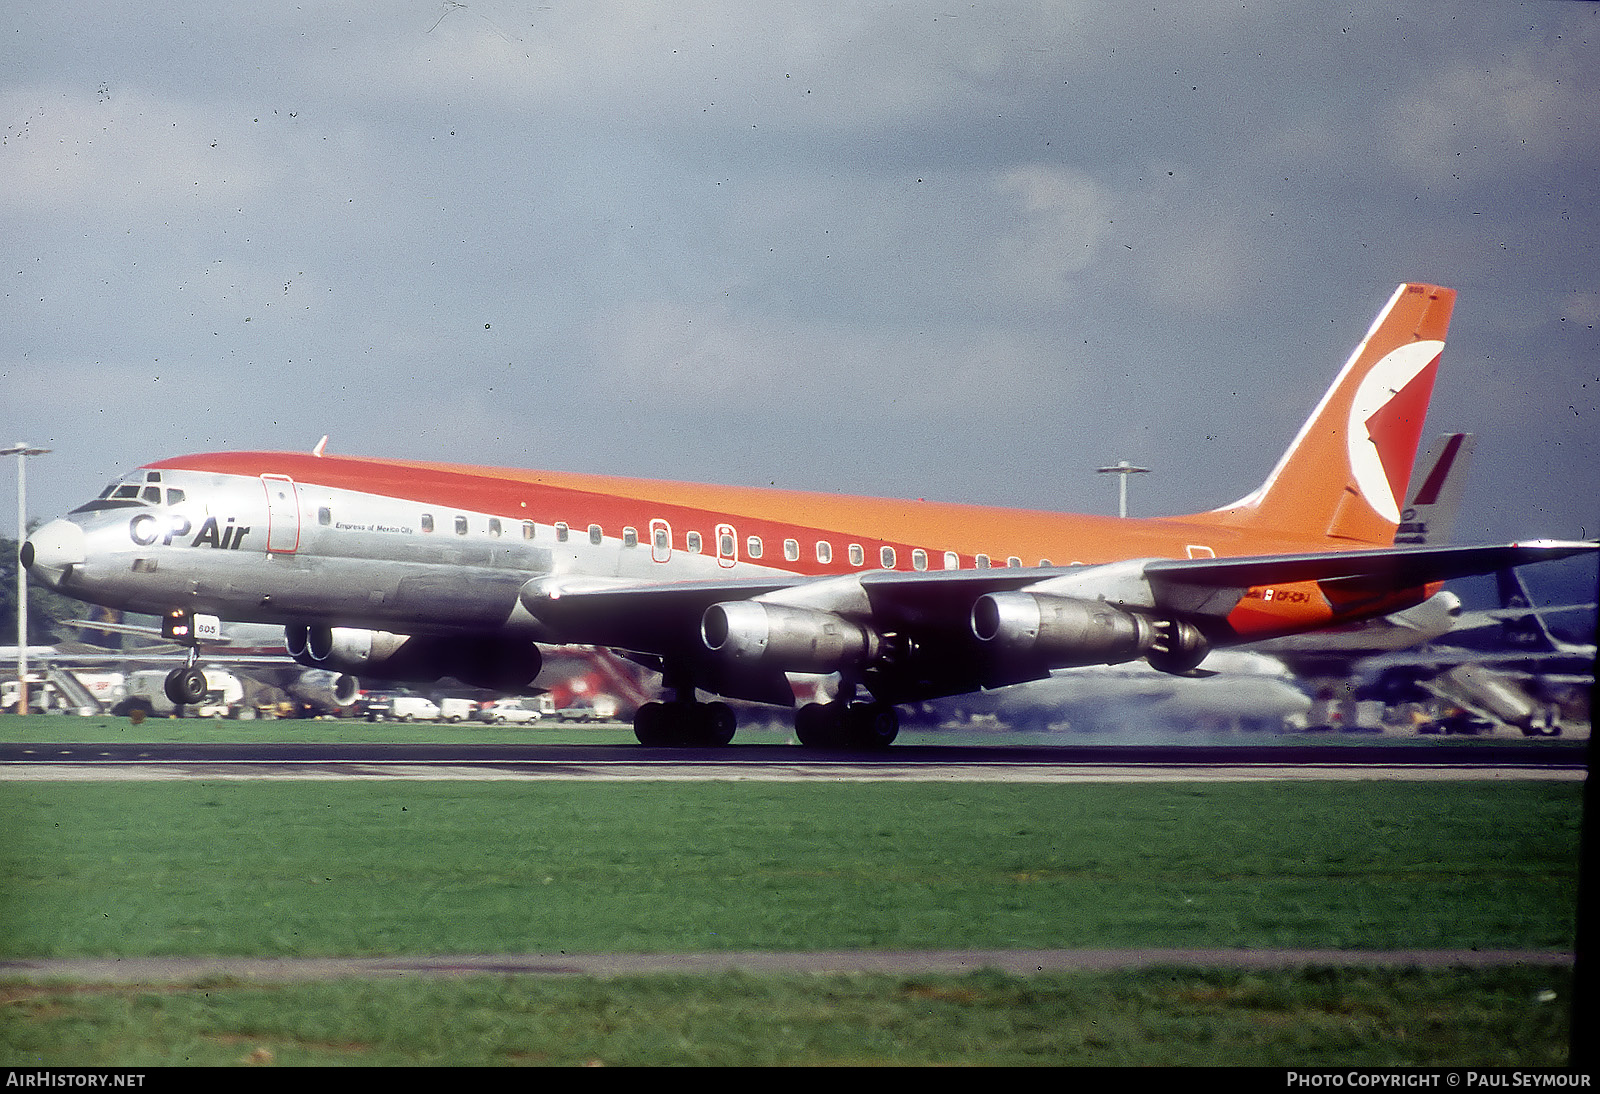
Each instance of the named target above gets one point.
<point>959,251</point>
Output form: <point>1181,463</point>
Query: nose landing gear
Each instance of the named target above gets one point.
<point>187,686</point>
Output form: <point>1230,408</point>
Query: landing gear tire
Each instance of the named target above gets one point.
<point>186,686</point>
<point>872,725</point>
<point>674,725</point>
<point>862,726</point>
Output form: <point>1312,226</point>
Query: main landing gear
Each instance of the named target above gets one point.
<point>679,723</point>
<point>843,724</point>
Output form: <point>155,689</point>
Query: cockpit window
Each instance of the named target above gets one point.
<point>137,490</point>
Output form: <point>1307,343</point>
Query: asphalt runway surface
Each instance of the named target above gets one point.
<point>952,763</point>
<point>1565,761</point>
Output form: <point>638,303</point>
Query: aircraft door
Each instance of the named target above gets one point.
<point>283,514</point>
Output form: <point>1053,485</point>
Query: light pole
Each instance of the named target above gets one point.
<point>22,452</point>
<point>1122,469</point>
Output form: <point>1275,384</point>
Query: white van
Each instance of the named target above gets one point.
<point>456,710</point>
<point>413,708</point>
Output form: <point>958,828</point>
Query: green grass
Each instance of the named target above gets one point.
<point>303,868</point>
<point>395,867</point>
<point>1318,1017</point>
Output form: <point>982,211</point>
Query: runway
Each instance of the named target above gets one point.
<point>764,762</point>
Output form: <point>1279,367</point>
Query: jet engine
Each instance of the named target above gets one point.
<point>490,663</point>
<point>325,689</point>
<point>1064,632</point>
<point>754,634</point>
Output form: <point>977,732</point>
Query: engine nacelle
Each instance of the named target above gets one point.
<point>491,663</point>
<point>326,690</point>
<point>343,649</point>
<point>751,633</point>
<point>1063,632</point>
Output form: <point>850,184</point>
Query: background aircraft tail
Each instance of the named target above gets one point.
<point>1345,475</point>
<point>1429,517</point>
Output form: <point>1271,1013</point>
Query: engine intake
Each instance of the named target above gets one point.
<point>750,633</point>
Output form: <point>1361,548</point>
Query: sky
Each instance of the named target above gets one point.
<point>967,252</point>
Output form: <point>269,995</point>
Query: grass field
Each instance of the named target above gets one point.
<point>304,868</point>
<point>387,867</point>
<point>1313,1018</point>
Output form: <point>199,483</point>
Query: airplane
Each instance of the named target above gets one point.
<point>1500,667</point>
<point>413,571</point>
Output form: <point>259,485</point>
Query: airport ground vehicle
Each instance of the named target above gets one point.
<point>584,712</point>
<point>502,711</point>
<point>452,709</point>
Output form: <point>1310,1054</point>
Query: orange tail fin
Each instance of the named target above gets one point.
<point>1345,476</point>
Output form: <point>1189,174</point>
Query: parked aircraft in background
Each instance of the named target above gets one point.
<point>1235,689</point>
<point>1503,667</point>
<point>414,571</point>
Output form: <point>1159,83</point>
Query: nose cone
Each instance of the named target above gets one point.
<point>52,551</point>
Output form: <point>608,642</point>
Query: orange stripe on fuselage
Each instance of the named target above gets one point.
<point>615,502</point>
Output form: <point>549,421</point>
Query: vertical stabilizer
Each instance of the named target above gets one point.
<point>1430,513</point>
<point>1343,479</point>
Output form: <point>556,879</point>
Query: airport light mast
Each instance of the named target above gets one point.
<point>1122,469</point>
<point>22,452</point>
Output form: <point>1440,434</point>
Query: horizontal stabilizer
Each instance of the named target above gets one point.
<point>1400,567</point>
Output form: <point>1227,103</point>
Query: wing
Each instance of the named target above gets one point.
<point>909,636</point>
